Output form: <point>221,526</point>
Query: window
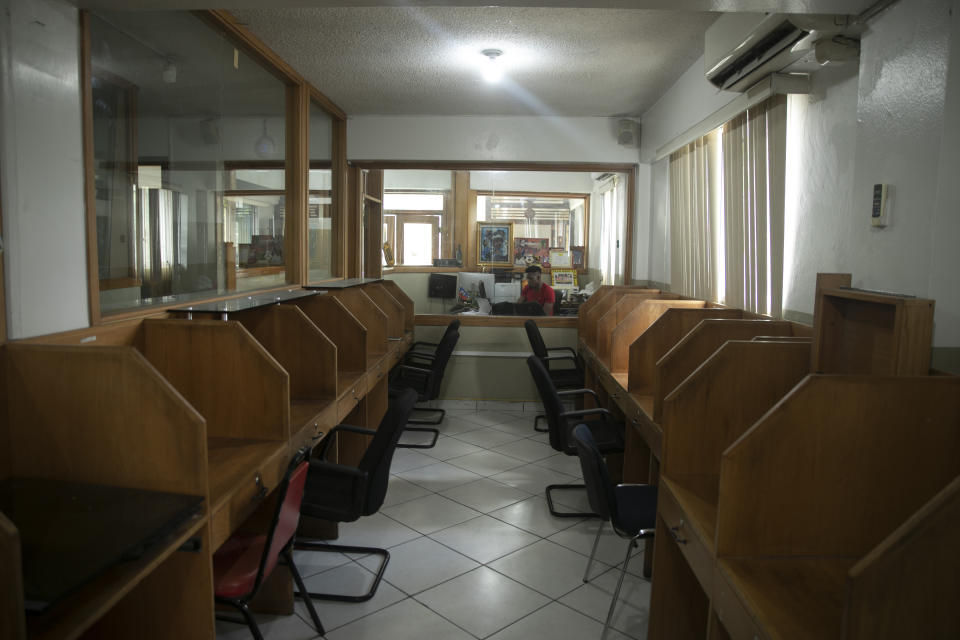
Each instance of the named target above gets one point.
<point>418,221</point>
<point>726,211</point>
<point>189,152</point>
<point>321,255</point>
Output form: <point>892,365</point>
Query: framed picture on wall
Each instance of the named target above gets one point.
<point>527,251</point>
<point>563,279</point>
<point>494,242</point>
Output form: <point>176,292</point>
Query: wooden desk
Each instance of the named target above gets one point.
<point>106,416</point>
<point>219,404</point>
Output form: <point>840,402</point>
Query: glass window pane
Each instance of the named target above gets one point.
<point>320,232</point>
<point>413,201</point>
<point>424,198</point>
<point>185,126</point>
<point>417,243</point>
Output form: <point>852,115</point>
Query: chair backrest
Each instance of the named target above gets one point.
<point>453,326</point>
<point>536,340</point>
<point>557,428</point>
<point>440,359</point>
<point>600,489</point>
<point>379,454</point>
<point>286,516</point>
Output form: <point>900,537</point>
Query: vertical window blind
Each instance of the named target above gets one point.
<point>726,211</point>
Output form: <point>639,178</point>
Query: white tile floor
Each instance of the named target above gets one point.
<point>474,550</point>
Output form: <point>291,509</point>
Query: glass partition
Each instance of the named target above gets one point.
<point>320,227</point>
<point>189,155</point>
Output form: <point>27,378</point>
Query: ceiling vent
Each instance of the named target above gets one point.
<point>742,48</point>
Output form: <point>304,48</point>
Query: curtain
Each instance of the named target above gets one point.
<point>693,209</point>
<point>613,207</point>
<point>754,155</point>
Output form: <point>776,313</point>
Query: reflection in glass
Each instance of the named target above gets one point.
<point>320,231</point>
<point>189,147</point>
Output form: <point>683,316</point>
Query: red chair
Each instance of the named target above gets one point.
<point>244,561</point>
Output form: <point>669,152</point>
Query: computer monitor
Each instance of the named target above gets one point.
<point>471,283</point>
<point>506,292</point>
<point>442,285</point>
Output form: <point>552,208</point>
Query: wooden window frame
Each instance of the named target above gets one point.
<point>465,212</point>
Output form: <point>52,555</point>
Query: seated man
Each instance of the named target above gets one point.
<point>535,291</point>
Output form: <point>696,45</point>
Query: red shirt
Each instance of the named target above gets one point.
<point>542,295</point>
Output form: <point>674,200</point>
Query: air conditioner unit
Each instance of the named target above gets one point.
<point>742,48</point>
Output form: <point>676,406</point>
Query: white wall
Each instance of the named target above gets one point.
<point>469,138</point>
<point>895,121</point>
<point>42,161</point>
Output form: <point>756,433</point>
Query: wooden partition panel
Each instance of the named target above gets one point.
<point>405,301</point>
<point>369,314</point>
<point>660,337</point>
<point>636,323</point>
<point>824,456</point>
<point>585,312</point>
<point>342,327</point>
<point>390,306</point>
<point>225,373</point>
<point>612,318</point>
<point>698,345</point>
<point>307,355</point>
<point>102,416</point>
<point>591,317</point>
<point>907,586</point>
<point>722,398</point>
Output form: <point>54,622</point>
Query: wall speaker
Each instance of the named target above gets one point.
<point>628,133</point>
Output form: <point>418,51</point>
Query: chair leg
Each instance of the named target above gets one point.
<point>566,514</point>
<point>247,617</point>
<point>301,545</point>
<point>438,420</point>
<point>616,592</point>
<point>593,552</point>
<point>288,559</point>
<point>429,445</point>
<point>536,420</point>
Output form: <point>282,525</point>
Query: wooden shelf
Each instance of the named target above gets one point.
<point>859,331</point>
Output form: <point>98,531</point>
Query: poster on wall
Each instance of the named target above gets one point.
<point>527,251</point>
<point>493,243</point>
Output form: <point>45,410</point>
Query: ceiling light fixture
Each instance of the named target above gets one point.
<point>492,69</point>
<point>265,146</point>
<point>169,72</point>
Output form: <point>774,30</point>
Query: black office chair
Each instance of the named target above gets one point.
<point>630,508</point>
<point>423,373</point>
<point>563,378</point>
<point>342,493</point>
<point>430,348</point>
<point>607,432</point>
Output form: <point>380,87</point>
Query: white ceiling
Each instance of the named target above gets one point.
<point>426,60</point>
<point>614,58</point>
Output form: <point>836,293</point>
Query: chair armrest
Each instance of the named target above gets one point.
<point>586,412</point>
<point>353,429</point>
<point>327,439</point>
<point>413,369</point>
<point>548,358</point>
<point>580,392</point>
<point>429,344</point>
<point>430,357</point>
<point>570,349</point>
